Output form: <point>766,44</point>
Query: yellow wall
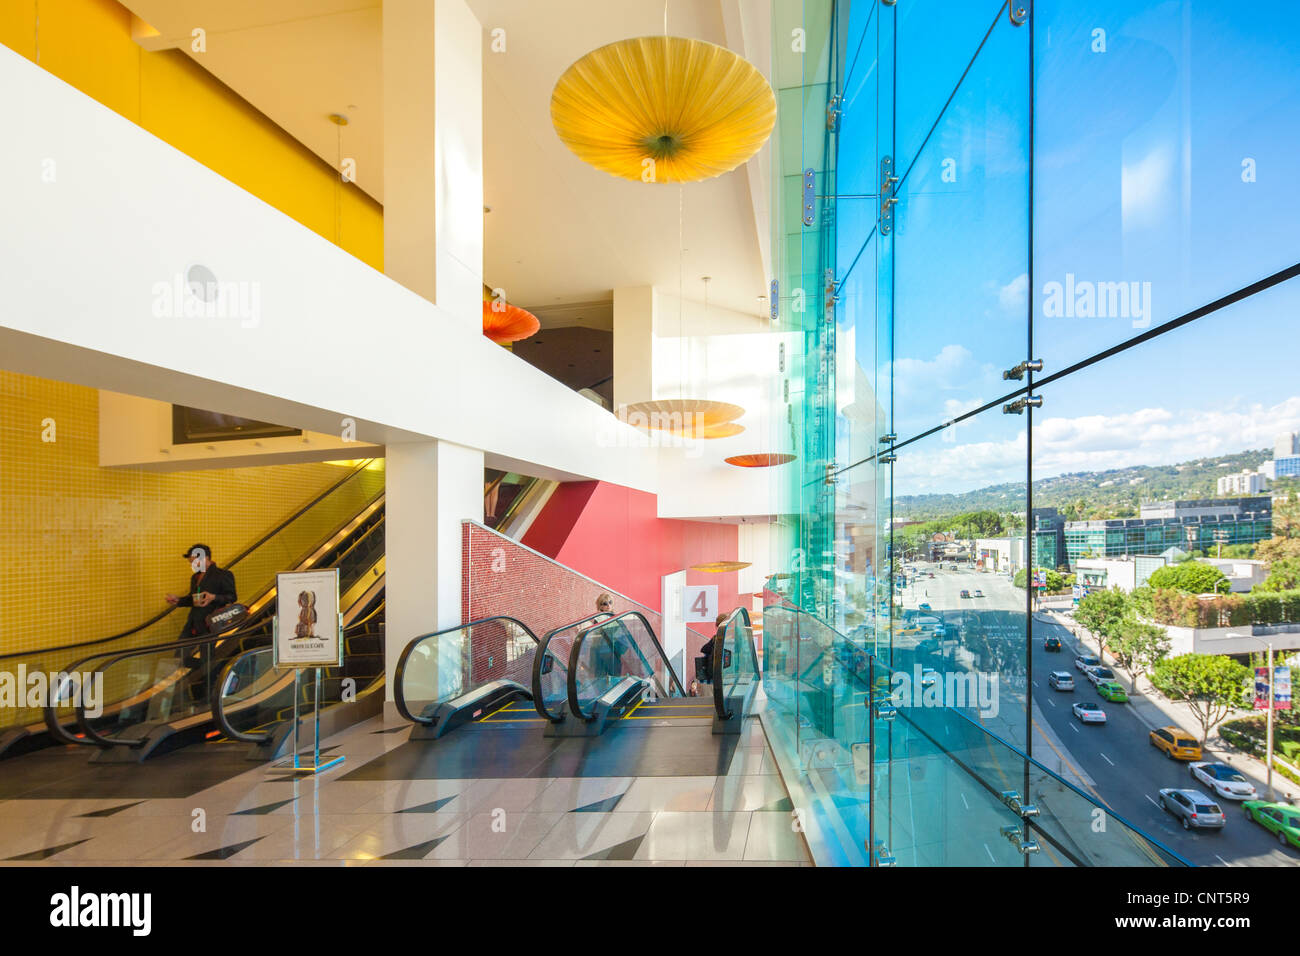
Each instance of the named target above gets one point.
<point>87,44</point>
<point>86,552</point>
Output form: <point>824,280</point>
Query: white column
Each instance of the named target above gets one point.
<point>433,153</point>
<point>634,338</point>
<point>431,487</point>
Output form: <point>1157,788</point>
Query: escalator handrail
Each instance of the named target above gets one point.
<point>399,698</point>
<point>719,696</point>
<point>539,699</point>
<point>574,706</point>
<point>218,697</point>
<point>233,561</point>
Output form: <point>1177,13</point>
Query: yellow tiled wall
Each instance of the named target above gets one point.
<point>87,44</point>
<point>87,552</point>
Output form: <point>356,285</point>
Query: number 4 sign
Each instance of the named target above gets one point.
<point>701,604</point>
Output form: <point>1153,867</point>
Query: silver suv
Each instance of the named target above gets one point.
<point>1060,680</point>
<point>1192,808</point>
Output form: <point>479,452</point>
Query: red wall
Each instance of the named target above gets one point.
<point>613,534</point>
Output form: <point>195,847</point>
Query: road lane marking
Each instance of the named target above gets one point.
<point>1152,799</point>
<point>1107,759</point>
<point>1050,701</point>
<point>1074,728</point>
<point>1222,860</point>
<point>990,853</point>
<point>963,800</point>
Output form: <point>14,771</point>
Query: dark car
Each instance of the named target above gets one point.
<point>965,594</point>
<point>1052,644</point>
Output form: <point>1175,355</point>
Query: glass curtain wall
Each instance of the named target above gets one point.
<point>1014,240</point>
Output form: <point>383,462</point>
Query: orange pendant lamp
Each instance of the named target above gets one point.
<point>503,322</point>
<point>759,461</point>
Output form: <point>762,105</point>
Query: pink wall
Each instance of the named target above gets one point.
<point>613,534</point>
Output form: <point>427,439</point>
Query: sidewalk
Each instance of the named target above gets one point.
<point>1155,711</point>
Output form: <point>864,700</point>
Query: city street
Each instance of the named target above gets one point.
<point>1127,771</point>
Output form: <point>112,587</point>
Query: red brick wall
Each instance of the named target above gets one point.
<point>500,576</point>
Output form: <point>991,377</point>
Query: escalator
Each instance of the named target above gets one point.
<point>577,680</point>
<point>160,697</point>
<point>317,533</point>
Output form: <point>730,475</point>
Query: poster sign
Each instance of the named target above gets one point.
<point>1281,688</point>
<point>700,603</point>
<point>307,624</point>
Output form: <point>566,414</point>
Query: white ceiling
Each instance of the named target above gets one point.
<point>560,232</point>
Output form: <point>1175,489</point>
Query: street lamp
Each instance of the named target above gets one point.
<point>1272,796</point>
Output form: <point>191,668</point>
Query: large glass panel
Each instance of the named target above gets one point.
<point>1167,154</point>
<point>605,654</point>
<point>438,668</point>
<point>961,235</point>
<point>1168,472</point>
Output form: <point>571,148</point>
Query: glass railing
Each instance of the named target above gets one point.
<point>874,750</point>
<point>438,668</point>
<point>285,546</point>
<point>606,653</point>
<point>551,668</point>
<point>735,666</point>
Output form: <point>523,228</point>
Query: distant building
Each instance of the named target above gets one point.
<point>1286,456</point>
<point>1126,572</point>
<point>1245,482</point>
<point>1006,554</point>
<point>1049,538</point>
<point>1196,524</point>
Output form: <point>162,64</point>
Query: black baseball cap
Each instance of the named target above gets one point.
<point>189,553</point>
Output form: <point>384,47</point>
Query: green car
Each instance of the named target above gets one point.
<point>1279,818</point>
<point>1112,692</point>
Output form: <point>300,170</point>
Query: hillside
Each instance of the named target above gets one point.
<point>1091,494</point>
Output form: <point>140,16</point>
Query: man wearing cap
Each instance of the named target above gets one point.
<point>211,588</point>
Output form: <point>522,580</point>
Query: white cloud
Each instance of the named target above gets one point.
<point>1145,436</point>
<point>1012,296</point>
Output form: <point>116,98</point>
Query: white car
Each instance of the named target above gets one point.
<point>1100,675</point>
<point>1089,713</point>
<point>1226,781</point>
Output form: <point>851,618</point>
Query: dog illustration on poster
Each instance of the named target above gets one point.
<point>306,627</point>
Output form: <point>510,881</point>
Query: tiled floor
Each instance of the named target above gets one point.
<point>386,806</point>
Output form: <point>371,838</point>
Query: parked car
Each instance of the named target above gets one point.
<point>965,593</point>
<point>1089,713</point>
<point>1060,680</point>
<point>1112,691</point>
<point>1225,781</point>
<point>1280,819</point>
<point>1192,808</point>
<point>1099,674</point>
<point>979,593</point>
<point>924,607</point>
<point>1083,662</point>
<point>1177,744</point>
<point>1052,644</point>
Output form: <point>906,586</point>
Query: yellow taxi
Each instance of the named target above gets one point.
<point>1177,744</point>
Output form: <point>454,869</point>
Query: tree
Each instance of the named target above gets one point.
<point>1211,685</point>
<point>1140,644</point>
<point>1102,612</point>
<point>1283,575</point>
<point>1285,542</point>
<point>1191,577</point>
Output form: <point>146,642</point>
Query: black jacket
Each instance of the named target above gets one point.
<point>218,582</point>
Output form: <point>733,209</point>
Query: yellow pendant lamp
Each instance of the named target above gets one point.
<point>663,109</point>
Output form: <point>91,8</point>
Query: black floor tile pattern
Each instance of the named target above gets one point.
<point>619,851</point>
<point>625,750</point>
<point>45,853</point>
<point>224,852</point>
<point>600,806</point>
<point>264,808</point>
<point>417,852</point>
<point>431,807</point>
<point>110,811</point>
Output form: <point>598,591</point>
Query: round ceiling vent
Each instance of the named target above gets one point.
<point>201,283</point>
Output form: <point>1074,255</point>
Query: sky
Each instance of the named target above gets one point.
<point>1166,159</point>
